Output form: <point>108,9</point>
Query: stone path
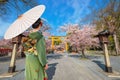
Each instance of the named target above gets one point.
<point>70,68</point>
<point>64,67</point>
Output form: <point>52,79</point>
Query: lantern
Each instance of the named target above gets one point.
<point>103,38</point>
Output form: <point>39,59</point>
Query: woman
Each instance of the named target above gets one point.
<point>34,46</point>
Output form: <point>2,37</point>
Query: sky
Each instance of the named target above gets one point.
<point>57,13</point>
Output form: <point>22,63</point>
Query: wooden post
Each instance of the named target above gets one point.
<point>16,41</point>
<point>108,67</point>
<point>103,38</point>
<point>66,46</point>
<point>13,59</point>
<point>52,43</point>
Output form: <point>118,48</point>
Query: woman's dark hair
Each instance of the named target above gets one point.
<point>37,23</point>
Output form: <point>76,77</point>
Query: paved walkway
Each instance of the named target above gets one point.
<point>65,67</point>
<point>73,68</point>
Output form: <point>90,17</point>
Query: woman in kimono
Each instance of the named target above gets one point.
<point>34,48</point>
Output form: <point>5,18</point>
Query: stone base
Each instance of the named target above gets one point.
<point>115,74</point>
<point>108,69</point>
<point>11,69</point>
<point>7,75</point>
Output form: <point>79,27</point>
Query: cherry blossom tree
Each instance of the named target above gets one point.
<point>5,47</point>
<point>80,38</point>
<point>5,43</point>
<point>60,48</point>
<point>48,45</point>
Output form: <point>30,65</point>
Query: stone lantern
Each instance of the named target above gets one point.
<point>15,41</point>
<point>103,38</point>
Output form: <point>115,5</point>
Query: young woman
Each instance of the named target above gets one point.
<point>34,46</point>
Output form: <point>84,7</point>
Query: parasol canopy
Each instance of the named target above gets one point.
<point>24,21</point>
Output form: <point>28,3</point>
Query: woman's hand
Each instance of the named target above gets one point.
<point>46,67</point>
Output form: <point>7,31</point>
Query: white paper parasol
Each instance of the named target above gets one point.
<point>24,22</point>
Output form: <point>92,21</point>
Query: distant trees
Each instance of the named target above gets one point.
<point>80,38</point>
<point>109,18</point>
<point>5,43</point>
<point>106,16</point>
<point>48,41</point>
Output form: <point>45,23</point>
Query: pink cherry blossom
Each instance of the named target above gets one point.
<point>80,37</point>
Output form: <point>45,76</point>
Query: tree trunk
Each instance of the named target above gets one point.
<point>83,53</point>
<point>116,44</point>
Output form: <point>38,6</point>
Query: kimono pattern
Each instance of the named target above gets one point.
<point>36,60</point>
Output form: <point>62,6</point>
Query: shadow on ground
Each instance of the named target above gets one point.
<point>75,55</point>
<point>4,59</point>
<point>20,70</point>
<point>54,56</point>
<point>87,56</point>
<point>100,64</point>
<point>51,70</point>
<point>93,57</point>
<point>8,58</point>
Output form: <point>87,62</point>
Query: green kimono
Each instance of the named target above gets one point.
<point>34,69</point>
